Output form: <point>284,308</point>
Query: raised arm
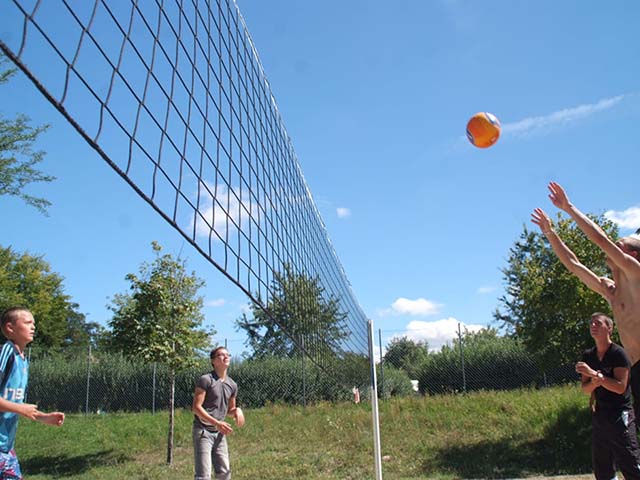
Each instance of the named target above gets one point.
<point>592,230</point>
<point>568,258</point>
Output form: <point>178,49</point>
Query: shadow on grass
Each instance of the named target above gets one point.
<point>565,449</point>
<point>59,466</point>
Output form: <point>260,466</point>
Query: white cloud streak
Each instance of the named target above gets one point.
<point>419,306</point>
<point>486,289</point>
<point>629,218</point>
<point>343,212</point>
<point>227,211</point>
<point>563,117</point>
<point>218,302</point>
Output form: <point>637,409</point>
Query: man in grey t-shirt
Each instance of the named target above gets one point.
<point>213,400</point>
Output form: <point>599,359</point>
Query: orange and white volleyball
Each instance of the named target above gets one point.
<point>483,129</point>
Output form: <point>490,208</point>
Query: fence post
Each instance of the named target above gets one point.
<point>381,365</point>
<point>304,380</point>
<point>153,396</point>
<point>374,406</point>
<point>86,402</point>
<point>464,377</point>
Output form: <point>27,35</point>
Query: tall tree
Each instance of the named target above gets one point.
<point>545,305</point>
<point>301,312</point>
<point>18,160</point>
<point>407,355</point>
<point>160,320</point>
<point>28,281</point>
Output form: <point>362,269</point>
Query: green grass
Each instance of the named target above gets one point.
<point>480,435</point>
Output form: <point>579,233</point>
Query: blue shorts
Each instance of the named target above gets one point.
<point>9,466</point>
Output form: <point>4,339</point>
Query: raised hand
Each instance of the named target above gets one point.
<point>558,196</point>
<point>540,218</point>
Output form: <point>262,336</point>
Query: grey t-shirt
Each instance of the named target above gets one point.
<point>216,399</point>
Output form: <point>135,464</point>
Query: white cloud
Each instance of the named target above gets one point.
<point>486,289</point>
<point>218,302</point>
<point>227,211</point>
<point>438,333</point>
<point>419,306</point>
<point>566,116</point>
<point>343,212</point>
<point>629,218</point>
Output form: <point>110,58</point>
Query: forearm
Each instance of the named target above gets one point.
<point>9,406</point>
<point>590,228</point>
<point>588,386</point>
<point>202,414</point>
<point>566,256</point>
<point>614,385</point>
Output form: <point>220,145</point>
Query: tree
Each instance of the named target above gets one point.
<point>160,320</point>
<point>407,355</point>
<point>299,309</point>
<point>545,305</point>
<point>80,333</point>
<point>27,280</point>
<point>18,160</point>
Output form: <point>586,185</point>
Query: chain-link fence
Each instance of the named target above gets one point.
<point>95,382</point>
<point>482,363</point>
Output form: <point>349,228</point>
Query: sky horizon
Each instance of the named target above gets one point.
<point>375,99</point>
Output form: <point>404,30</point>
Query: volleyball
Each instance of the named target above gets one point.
<point>483,129</point>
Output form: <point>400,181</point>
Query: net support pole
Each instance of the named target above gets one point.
<point>374,407</point>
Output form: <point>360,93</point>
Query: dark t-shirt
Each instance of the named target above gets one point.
<point>613,358</point>
<point>217,396</point>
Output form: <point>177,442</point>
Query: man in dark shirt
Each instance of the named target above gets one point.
<point>605,376</point>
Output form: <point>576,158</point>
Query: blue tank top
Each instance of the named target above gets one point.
<point>14,374</point>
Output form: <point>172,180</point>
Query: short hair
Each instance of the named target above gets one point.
<point>607,320</point>
<point>11,315</point>
<point>632,243</point>
<point>215,351</point>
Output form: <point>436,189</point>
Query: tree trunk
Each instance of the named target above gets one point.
<point>172,392</point>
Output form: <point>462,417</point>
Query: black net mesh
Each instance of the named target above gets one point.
<point>173,96</point>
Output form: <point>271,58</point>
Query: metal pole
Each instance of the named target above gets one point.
<point>304,382</point>
<point>153,398</point>
<point>374,407</point>
<point>464,377</point>
<point>86,402</point>
<point>381,364</point>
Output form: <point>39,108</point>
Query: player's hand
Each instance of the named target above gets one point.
<point>540,218</point>
<point>54,418</point>
<point>239,415</point>
<point>558,196</point>
<point>224,428</point>
<point>584,369</point>
<point>28,410</point>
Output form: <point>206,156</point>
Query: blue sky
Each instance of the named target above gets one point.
<point>375,97</point>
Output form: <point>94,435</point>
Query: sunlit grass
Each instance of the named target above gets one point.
<point>480,435</point>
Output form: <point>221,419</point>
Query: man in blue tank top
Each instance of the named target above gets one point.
<point>18,326</point>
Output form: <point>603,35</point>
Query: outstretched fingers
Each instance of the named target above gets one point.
<point>557,195</point>
<point>540,218</point>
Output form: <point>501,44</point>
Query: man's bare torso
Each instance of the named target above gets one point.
<point>625,303</point>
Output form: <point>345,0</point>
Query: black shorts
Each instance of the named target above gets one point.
<point>614,443</point>
<point>634,382</point>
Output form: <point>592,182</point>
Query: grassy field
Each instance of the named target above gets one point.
<point>517,434</point>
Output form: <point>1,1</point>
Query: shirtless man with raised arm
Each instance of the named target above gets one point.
<point>622,292</point>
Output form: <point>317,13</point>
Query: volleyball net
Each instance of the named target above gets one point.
<point>172,95</point>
